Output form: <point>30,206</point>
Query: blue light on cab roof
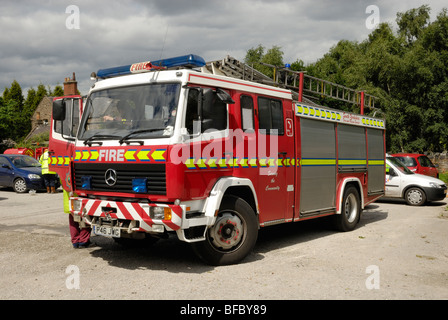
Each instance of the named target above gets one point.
<point>187,61</point>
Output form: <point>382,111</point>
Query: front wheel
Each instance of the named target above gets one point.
<point>233,235</point>
<point>415,197</point>
<point>351,210</point>
<point>19,185</point>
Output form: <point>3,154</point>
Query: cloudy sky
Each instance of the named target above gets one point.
<point>46,41</point>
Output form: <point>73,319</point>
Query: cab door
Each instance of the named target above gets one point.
<point>65,120</point>
<point>275,154</point>
<point>393,182</point>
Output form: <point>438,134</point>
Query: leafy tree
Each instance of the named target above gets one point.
<point>58,91</point>
<point>258,58</point>
<point>412,22</point>
<point>407,70</point>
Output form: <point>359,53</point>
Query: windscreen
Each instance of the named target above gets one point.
<point>143,111</point>
<point>24,162</point>
<point>407,161</point>
<point>399,165</point>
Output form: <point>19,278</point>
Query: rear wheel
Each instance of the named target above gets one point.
<point>351,210</point>
<point>233,235</point>
<point>19,185</point>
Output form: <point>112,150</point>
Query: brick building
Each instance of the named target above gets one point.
<point>40,121</point>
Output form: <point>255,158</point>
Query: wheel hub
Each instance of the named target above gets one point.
<point>414,197</point>
<point>350,207</point>
<point>227,232</point>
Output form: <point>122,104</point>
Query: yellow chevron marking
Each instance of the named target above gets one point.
<point>190,163</point>
<point>212,162</point>
<point>78,155</point>
<point>85,155</point>
<point>143,155</point>
<point>129,155</point>
<point>158,155</point>
<point>93,155</point>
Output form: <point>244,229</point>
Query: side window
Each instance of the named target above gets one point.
<point>270,115</point>
<point>3,161</point>
<point>425,162</point>
<point>214,113</point>
<point>247,114</point>
<point>71,123</point>
<point>192,110</point>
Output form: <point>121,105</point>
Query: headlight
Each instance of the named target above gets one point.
<point>435,185</point>
<point>76,205</point>
<point>160,213</point>
<point>33,176</point>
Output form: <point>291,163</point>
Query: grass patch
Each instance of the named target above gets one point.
<point>443,176</point>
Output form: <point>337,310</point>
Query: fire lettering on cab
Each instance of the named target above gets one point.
<point>111,155</point>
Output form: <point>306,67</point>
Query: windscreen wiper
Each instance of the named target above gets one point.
<point>126,137</point>
<point>89,141</point>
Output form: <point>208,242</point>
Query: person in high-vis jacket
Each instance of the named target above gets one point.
<point>49,176</point>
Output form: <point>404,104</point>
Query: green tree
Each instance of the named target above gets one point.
<point>258,58</point>
<point>412,22</point>
<point>407,70</point>
<point>58,91</point>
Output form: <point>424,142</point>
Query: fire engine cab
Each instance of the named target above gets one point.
<point>211,152</point>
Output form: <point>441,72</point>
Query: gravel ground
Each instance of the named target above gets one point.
<point>397,252</point>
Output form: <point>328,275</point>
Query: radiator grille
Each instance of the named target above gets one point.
<point>154,173</point>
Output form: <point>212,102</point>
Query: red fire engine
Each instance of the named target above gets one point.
<point>36,153</point>
<point>212,152</point>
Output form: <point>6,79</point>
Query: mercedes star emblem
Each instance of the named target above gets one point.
<point>110,177</point>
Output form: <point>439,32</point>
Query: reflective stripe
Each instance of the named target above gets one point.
<point>318,162</point>
<point>44,160</point>
<point>352,162</point>
<point>376,162</point>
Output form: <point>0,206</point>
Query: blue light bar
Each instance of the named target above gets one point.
<point>188,61</point>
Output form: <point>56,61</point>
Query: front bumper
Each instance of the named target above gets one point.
<point>36,184</point>
<point>435,194</point>
<point>89,209</point>
<point>134,217</point>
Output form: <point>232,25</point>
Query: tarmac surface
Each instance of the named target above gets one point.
<point>396,252</point>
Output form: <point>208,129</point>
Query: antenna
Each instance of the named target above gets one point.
<point>163,46</point>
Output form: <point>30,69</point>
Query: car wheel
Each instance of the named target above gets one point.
<point>415,197</point>
<point>233,235</point>
<point>19,185</point>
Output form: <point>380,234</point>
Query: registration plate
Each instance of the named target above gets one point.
<point>107,231</point>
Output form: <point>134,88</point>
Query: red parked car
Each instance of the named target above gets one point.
<point>418,163</point>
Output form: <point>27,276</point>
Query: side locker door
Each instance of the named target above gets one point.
<point>64,125</point>
<point>376,168</point>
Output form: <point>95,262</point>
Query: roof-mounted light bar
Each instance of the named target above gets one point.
<point>188,61</point>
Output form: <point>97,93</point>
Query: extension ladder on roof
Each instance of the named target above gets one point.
<point>304,87</point>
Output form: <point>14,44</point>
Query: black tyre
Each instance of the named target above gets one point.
<point>233,235</point>
<point>351,210</point>
<point>415,197</point>
<point>19,185</point>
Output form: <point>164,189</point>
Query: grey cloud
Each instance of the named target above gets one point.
<point>36,46</point>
